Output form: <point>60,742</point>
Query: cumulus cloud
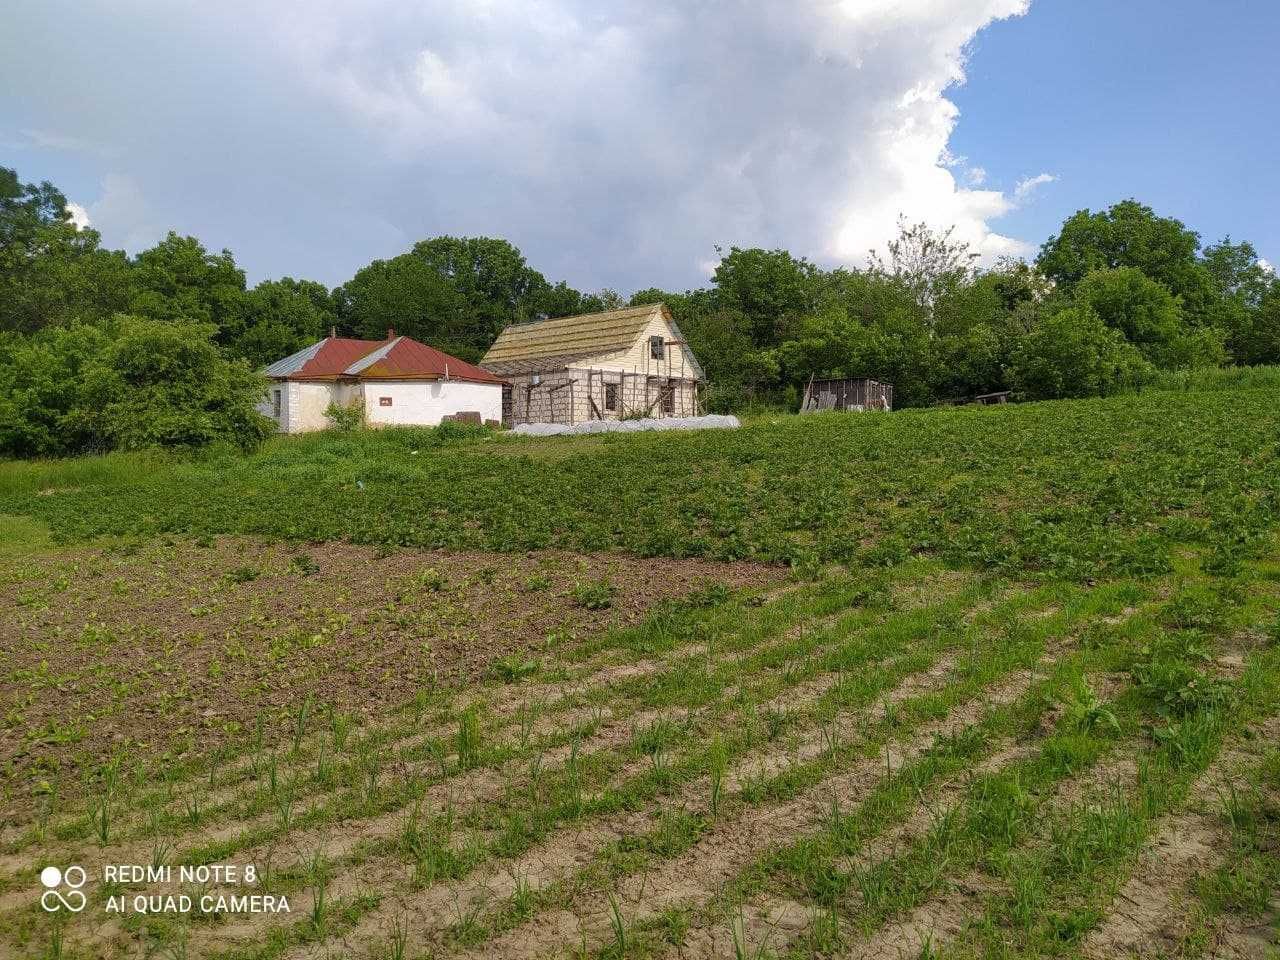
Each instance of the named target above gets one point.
<point>79,216</point>
<point>615,144</point>
<point>124,214</point>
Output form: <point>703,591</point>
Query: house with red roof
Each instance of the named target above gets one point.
<point>393,381</point>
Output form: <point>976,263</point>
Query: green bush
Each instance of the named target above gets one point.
<point>126,384</point>
<point>1074,354</point>
<point>345,418</point>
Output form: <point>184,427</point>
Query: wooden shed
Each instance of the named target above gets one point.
<point>854,394</point>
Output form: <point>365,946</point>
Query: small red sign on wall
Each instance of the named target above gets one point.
<point>384,401</point>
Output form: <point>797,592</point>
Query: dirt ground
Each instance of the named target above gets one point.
<point>173,645</point>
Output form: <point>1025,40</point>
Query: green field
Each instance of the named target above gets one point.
<point>941,683</point>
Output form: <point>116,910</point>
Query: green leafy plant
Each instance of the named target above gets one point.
<point>345,418</point>
<point>1085,711</point>
<point>594,594</point>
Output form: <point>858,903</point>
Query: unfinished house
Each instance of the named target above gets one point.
<point>597,366</point>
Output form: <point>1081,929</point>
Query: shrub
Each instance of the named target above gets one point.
<point>345,417</point>
<point>1073,354</point>
<point>123,385</point>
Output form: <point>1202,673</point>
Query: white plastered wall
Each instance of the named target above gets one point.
<point>302,405</point>
<point>425,402</point>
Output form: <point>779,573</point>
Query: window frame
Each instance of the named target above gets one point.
<point>384,401</point>
<point>657,347</point>
<point>277,403</point>
<point>668,400</point>
<point>610,397</point>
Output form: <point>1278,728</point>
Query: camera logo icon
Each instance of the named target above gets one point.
<point>72,879</point>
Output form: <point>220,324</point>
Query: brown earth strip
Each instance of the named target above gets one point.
<point>692,877</point>
<point>1149,915</point>
<point>209,637</point>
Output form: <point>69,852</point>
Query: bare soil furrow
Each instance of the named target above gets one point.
<point>1148,916</point>
<point>693,877</point>
<point>546,864</point>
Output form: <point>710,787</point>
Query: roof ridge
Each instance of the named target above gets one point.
<point>617,311</point>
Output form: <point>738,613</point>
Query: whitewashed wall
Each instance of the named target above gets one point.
<point>302,405</point>
<point>425,402</point>
<point>307,403</point>
<point>413,402</point>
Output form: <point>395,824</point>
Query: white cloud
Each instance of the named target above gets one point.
<point>1028,185</point>
<point>53,140</point>
<point>79,216</point>
<point>124,214</point>
<point>1266,265</point>
<point>616,143</point>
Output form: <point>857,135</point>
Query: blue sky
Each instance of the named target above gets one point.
<point>618,144</point>
<point>1174,103</point>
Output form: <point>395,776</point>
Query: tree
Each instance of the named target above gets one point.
<point>166,383</point>
<point>973,362</point>
<point>1256,338</point>
<point>457,293</point>
<point>50,272</point>
<point>1128,234</point>
<point>737,370</point>
<point>929,264</point>
<point>125,384</point>
<point>1129,301</point>
<point>1150,318</point>
<point>768,287</point>
<point>41,388</point>
<point>406,293</point>
<point>492,279</point>
<point>178,279</point>
<point>1074,354</point>
<point>27,207</point>
<point>281,317</point>
<point>1247,297</point>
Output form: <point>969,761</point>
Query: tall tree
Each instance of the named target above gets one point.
<point>50,272</point>
<point>281,317</point>
<point>407,293</point>
<point>769,287</point>
<point>1128,234</point>
<point>178,279</point>
<point>928,263</point>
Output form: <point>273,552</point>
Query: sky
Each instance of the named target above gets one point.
<point>618,144</point>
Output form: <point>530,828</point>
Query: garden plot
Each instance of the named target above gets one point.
<point>172,648</point>
<point>875,758</point>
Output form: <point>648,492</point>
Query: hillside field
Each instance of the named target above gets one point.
<point>973,682</point>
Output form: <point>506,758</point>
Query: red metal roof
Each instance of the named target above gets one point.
<point>409,359</point>
<point>397,358</point>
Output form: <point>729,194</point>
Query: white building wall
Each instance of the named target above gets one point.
<point>677,360</point>
<point>302,405</point>
<point>306,404</point>
<point>425,402</point>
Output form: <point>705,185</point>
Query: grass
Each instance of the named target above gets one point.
<point>1020,645</point>
<point>1217,378</point>
<point>1078,489</point>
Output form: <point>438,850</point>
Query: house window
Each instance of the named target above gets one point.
<point>611,396</point>
<point>668,400</point>
<point>656,346</point>
<point>384,401</point>
<point>275,404</point>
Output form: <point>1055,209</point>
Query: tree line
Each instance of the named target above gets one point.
<point>100,350</point>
